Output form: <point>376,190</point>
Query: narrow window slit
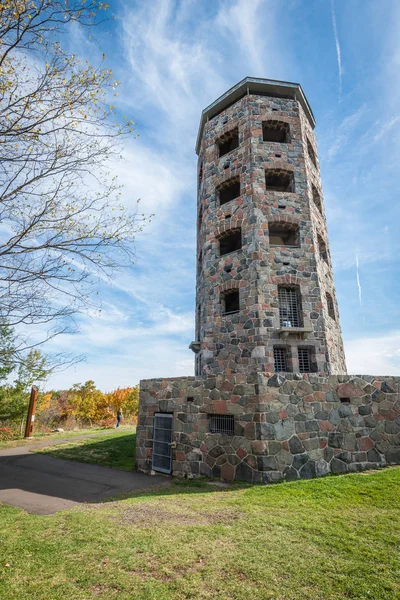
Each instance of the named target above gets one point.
<point>275,131</point>
<point>283,234</point>
<point>229,190</point>
<point>279,180</point>
<point>230,302</point>
<point>331,306</point>
<point>311,153</point>
<point>228,142</point>
<point>230,242</point>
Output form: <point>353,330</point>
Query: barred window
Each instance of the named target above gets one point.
<point>280,360</point>
<point>289,306</point>
<point>222,424</point>
<point>304,360</point>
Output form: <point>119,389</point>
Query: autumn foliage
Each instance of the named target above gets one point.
<point>85,405</point>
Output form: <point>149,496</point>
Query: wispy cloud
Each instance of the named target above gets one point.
<point>358,281</point>
<point>167,61</point>
<point>344,133</point>
<point>242,23</point>
<point>383,129</point>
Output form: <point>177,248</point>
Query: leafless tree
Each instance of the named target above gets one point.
<point>61,222</point>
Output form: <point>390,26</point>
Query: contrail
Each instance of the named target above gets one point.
<point>338,53</point>
<point>358,282</point>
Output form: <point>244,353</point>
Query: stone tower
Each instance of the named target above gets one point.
<point>265,297</point>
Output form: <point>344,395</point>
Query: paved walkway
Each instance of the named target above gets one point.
<point>44,485</point>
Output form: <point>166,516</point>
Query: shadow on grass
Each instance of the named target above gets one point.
<point>175,487</point>
<point>117,452</point>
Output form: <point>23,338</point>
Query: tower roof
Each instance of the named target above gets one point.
<point>250,85</point>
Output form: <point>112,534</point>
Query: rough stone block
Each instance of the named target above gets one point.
<point>284,429</point>
<point>267,463</point>
<point>338,466</point>
<point>295,445</point>
<point>308,471</point>
<point>393,456</point>
<point>244,472</point>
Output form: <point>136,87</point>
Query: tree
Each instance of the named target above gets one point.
<point>32,370</point>
<point>53,408</point>
<point>126,399</point>
<point>14,399</point>
<point>58,202</point>
<point>87,403</point>
<point>7,351</point>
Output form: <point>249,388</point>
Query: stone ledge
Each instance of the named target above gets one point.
<point>285,332</point>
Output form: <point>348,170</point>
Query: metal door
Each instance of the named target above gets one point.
<point>162,443</point>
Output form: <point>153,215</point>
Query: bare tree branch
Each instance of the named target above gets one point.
<point>62,225</point>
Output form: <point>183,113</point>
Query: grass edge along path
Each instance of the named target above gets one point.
<point>62,435</point>
<point>332,538</point>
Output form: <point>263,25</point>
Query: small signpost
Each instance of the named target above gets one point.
<point>31,412</point>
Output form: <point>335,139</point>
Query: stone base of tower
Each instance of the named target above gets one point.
<point>279,428</point>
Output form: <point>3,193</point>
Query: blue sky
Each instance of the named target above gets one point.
<point>173,59</point>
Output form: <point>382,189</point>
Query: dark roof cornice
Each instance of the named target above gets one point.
<point>254,85</point>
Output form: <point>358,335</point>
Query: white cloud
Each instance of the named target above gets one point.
<point>378,355</point>
<point>155,177</point>
<point>159,358</point>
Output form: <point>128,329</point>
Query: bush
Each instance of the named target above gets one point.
<point>108,422</point>
<point>6,433</point>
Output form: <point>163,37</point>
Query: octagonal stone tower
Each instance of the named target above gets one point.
<point>265,297</point>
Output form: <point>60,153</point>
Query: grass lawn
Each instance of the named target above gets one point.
<point>42,437</point>
<point>330,539</point>
<point>116,449</point>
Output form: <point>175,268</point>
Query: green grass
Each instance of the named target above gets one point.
<point>115,449</point>
<point>331,539</point>
<point>42,437</point>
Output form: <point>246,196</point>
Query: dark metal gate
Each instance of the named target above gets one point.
<point>162,443</point>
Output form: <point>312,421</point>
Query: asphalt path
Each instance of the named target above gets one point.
<point>43,485</point>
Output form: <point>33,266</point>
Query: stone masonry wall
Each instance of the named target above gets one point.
<point>245,341</point>
<point>331,326</point>
<point>297,426</point>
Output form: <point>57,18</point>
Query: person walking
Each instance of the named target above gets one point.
<point>119,416</point>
